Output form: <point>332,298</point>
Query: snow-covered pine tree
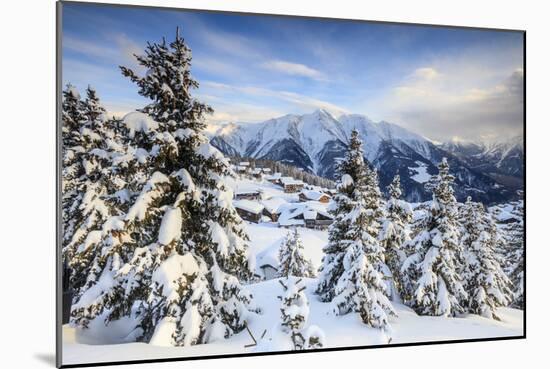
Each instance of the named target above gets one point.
<point>314,337</point>
<point>292,261</point>
<point>72,115</point>
<point>174,260</point>
<point>92,207</point>
<point>373,200</point>
<point>351,272</point>
<point>432,281</point>
<point>72,119</point>
<point>294,311</point>
<point>515,253</point>
<point>394,234</point>
<point>352,173</point>
<point>487,285</point>
<point>517,276</point>
<point>362,289</point>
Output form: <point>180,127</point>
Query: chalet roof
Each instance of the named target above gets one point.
<point>269,256</point>
<point>313,195</point>
<point>310,214</point>
<point>247,192</point>
<point>286,181</point>
<point>308,210</point>
<point>274,204</point>
<point>248,205</point>
<point>291,222</point>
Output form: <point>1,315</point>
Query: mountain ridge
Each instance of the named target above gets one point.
<point>315,141</point>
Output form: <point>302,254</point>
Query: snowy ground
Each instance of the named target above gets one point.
<point>343,331</point>
<point>101,344</point>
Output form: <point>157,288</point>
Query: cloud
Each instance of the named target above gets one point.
<point>426,73</point>
<point>119,51</point>
<point>224,113</point>
<point>294,69</point>
<point>229,43</point>
<point>90,48</point>
<point>295,101</point>
<point>221,41</point>
<point>128,48</point>
<point>436,106</point>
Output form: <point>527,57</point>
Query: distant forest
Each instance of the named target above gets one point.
<point>287,170</point>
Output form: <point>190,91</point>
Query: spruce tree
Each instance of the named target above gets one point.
<point>292,261</point>
<point>362,289</point>
<point>373,200</point>
<point>352,173</point>
<point>175,259</point>
<point>352,266</point>
<point>487,285</point>
<point>72,120</point>
<point>515,254</point>
<point>294,312</point>
<point>93,206</point>
<point>394,235</point>
<point>432,282</point>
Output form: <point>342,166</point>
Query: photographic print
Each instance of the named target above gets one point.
<point>239,184</point>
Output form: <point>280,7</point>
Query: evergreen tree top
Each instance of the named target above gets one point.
<point>353,163</point>
<point>441,185</point>
<point>93,110</point>
<point>394,189</point>
<point>168,83</point>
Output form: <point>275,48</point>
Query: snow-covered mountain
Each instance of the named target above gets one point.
<point>315,141</point>
<point>501,159</point>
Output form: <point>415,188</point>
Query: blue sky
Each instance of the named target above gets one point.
<point>439,82</point>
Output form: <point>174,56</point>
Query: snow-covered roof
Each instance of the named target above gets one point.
<point>290,181</point>
<point>291,222</point>
<point>244,163</point>
<point>308,210</point>
<point>246,192</point>
<point>313,195</point>
<point>274,204</point>
<point>269,256</point>
<point>310,214</point>
<point>256,170</point>
<point>248,205</point>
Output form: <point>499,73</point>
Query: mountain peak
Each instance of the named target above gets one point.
<point>321,112</point>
